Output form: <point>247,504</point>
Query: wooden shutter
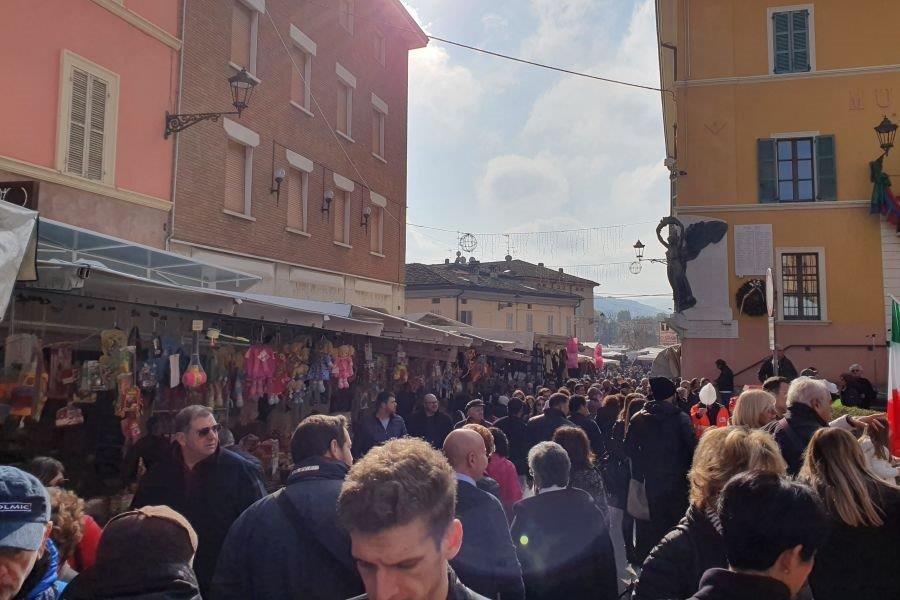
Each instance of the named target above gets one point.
<point>826,168</point>
<point>298,93</point>
<point>800,41</point>
<point>339,207</point>
<point>767,170</point>
<point>94,163</point>
<point>295,199</point>
<point>782,39</point>
<point>235,161</point>
<point>78,122</point>
<point>342,102</point>
<point>376,231</point>
<point>240,35</point>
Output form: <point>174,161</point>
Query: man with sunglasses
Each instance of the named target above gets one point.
<point>209,485</point>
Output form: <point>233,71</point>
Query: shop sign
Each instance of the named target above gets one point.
<point>20,193</point>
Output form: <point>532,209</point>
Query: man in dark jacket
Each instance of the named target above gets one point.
<point>487,559</point>
<point>809,409</point>
<point>210,486</point>
<point>660,443</point>
<point>516,429</point>
<point>562,539</point>
<point>541,427</point>
<point>785,367</point>
<point>429,423</point>
<point>579,414</point>
<point>724,382</point>
<point>379,426</point>
<point>474,414</point>
<point>867,392</point>
<point>289,545</point>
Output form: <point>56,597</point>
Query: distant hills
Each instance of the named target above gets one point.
<point>649,308</point>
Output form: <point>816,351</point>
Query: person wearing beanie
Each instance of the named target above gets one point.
<point>29,559</point>
<point>144,554</point>
<point>660,443</point>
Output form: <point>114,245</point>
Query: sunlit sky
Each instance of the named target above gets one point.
<point>497,146</point>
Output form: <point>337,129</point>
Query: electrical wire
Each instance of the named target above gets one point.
<point>456,231</point>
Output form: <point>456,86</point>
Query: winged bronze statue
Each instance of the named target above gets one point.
<point>682,246</point>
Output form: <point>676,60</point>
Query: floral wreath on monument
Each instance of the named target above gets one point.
<point>751,298</point>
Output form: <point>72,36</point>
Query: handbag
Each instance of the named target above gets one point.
<point>638,507</point>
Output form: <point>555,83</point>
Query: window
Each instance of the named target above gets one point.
<point>378,133</point>
<point>345,14</point>
<point>550,324</point>
<point>376,230</point>
<point>797,169</point>
<point>341,209</point>
<point>529,322</point>
<point>465,316</point>
<point>569,326</point>
<point>379,47</point>
<point>346,85</point>
<point>509,322</point>
<point>529,307</point>
<point>791,41</point>
<point>800,287</point>
<point>435,300</point>
<point>301,76</point>
<point>244,27</point>
<point>88,113</point>
<point>300,83</point>
<point>238,167</point>
<point>464,301</point>
<point>298,200</point>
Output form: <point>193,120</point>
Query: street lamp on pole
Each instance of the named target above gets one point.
<point>886,132</point>
<point>241,84</point>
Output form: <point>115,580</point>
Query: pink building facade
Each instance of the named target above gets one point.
<point>88,85</point>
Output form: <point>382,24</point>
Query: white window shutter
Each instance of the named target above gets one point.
<point>94,168</point>
<point>78,121</point>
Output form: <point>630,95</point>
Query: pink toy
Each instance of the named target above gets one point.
<point>343,366</point>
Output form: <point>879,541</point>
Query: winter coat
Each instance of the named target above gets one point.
<point>487,561</point>
<point>592,430</point>
<point>618,467</point>
<point>794,431</point>
<point>721,584</point>
<point>504,472</point>
<point>264,541</point>
<point>211,497</point>
<point>541,427</point>
<point>456,590</point>
<point>563,544</point>
<point>785,369</point>
<point>725,380</point>
<point>660,443</point>
<point>861,562</point>
<point>675,566</point>
<point>433,429</point>
<point>591,481</point>
<point>166,581</point>
<point>881,467</point>
<point>42,583</point>
<point>371,432</point>
<point>516,430</point>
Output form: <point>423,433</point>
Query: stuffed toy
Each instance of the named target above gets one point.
<point>321,365</point>
<point>259,366</point>
<point>343,366</point>
<point>280,379</point>
<point>400,373</point>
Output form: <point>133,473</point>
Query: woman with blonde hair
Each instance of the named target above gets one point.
<point>754,409</point>
<point>675,566</point>
<point>860,557</point>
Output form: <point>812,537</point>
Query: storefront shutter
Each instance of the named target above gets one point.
<point>767,170</point>
<point>826,168</point>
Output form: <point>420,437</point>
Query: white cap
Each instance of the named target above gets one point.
<point>503,400</point>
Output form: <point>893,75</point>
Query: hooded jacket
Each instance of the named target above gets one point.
<point>719,584</point>
<point>264,556</point>
<point>41,583</point>
<point>211,497</point>
<point>165,581</point>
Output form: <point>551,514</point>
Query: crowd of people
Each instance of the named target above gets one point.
<point>650,488</point>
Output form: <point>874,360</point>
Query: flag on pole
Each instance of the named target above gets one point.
<point>893,403</point>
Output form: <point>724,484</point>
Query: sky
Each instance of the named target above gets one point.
<point>497,146</point>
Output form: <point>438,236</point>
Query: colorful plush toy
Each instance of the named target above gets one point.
<point>321,365</point>
<point>259,365</point>
<point>343,366</point>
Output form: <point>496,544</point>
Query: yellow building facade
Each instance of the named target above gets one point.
<point>769,115</point>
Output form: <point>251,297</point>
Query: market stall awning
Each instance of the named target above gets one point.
<point>17,249</point>
<point>73,244</point>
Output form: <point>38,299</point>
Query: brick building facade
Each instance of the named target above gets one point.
<point>338,64</point>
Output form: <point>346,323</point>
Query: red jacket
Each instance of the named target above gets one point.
<point>504,472</point>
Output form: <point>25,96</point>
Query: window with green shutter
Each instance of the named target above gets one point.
<point>797,169</point>
<point>791,40</point>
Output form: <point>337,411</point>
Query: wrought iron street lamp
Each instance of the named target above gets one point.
<point>639,250</point>
<point>886,132</point>
<point>241,84</point>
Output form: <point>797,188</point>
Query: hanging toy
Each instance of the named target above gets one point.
<point>194,376</point>
<point>343,366</point>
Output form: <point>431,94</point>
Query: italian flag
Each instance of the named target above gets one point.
<point>893,405</point>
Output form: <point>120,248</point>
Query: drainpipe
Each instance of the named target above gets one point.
<point>177,137</point>
<point>457,303</point>
<point>673,163</point>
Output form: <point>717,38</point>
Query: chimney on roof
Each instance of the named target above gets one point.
<point>560,270</point>
<point>508,258</point>
<point>540,264</point>
<point>446,261</point>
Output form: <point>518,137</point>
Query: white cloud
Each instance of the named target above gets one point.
<point>495,25</point>
<point>446,95</point>
<point>515,187</point>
